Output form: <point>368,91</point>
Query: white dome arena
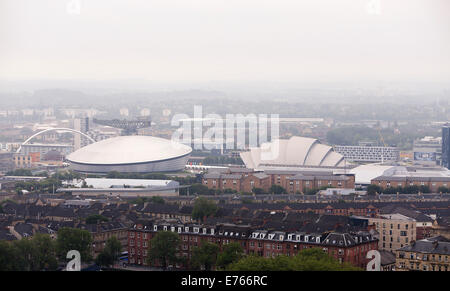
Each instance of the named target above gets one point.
<point>296,151</point>
<point>130,154</point>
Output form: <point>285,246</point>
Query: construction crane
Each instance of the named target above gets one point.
<point>129,127</point>
<point>382,141</point>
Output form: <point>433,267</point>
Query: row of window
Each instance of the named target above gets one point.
<point>424,257</point>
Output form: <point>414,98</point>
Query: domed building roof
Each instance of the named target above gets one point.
<point>130,154</point>
<point>296,151</point>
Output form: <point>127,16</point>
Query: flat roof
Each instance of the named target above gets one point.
<point>106,183</point>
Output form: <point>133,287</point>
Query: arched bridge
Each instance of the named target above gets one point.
<point>54,129</point>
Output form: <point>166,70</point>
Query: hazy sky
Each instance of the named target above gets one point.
<point>203,40</point>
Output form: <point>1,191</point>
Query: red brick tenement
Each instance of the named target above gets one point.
<point>292,181</point>
<point>345,247</point>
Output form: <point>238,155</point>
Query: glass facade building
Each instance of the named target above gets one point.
<point>446,146</point>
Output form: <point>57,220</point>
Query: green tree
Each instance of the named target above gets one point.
<point>157,199</point>
<point>45,252</point>
<point>443,189</point>
<point>8,256</point>
<point>20,172</point>
<point>199,189</point>
<point>277,189</point>
<point>34,254</point>
<point>203,208</point>
<point>95,218</point>
<point>258,191</point>
<point>231,253</point>
<point>205,256</point>
<point>424,189</point>
<point>312,191</point>
<point>74,239</point>
<point>313,259</point>
<point>110,253</point>
<point>163,248</point>
<point>372,189</point>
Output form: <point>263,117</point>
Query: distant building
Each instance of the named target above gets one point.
<point>130,154</point>
<point>396,231</point>
<point>22,161</point>
<point>43,149</point>
<point>348,247</point>
<point>296,152</point>
<point>446,146</point>
<point>124,188</point>
<point>245,180</point>
<point>6,161</point>
<point>371,154</point>
<point>428,150</point>
<point>80,124</point>
<point>101,232</point>
<point>432,254</point>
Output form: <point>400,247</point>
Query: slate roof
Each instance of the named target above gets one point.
<point>387,258</point>
<point>104,226</point>
<point>6,235</point>
<point>24,229</point>
<point>428,246</point>
<point>417,215</point>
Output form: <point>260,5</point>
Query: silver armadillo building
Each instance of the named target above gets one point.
<point>294,152</point>
<point>130,154</point>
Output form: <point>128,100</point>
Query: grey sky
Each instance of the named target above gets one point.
<point>202,40</point>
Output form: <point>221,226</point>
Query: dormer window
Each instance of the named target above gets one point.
<point>281,237</point>
<point>155,228</point>
<point>297,238</point>
<point>196,229</point>
<point>179,230</point>
<point>172,228</point>
<point>186,229</point>
<point>212,230</point>
<point>204,230</point>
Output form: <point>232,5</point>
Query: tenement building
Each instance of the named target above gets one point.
<point>294,182</point>
<point>432,183</point>
<point>396,231</point>
<point>431,254</point>
<point>345,247</point>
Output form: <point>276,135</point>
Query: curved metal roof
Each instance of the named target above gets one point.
<point>129,150</point>
<point>298,151</point>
